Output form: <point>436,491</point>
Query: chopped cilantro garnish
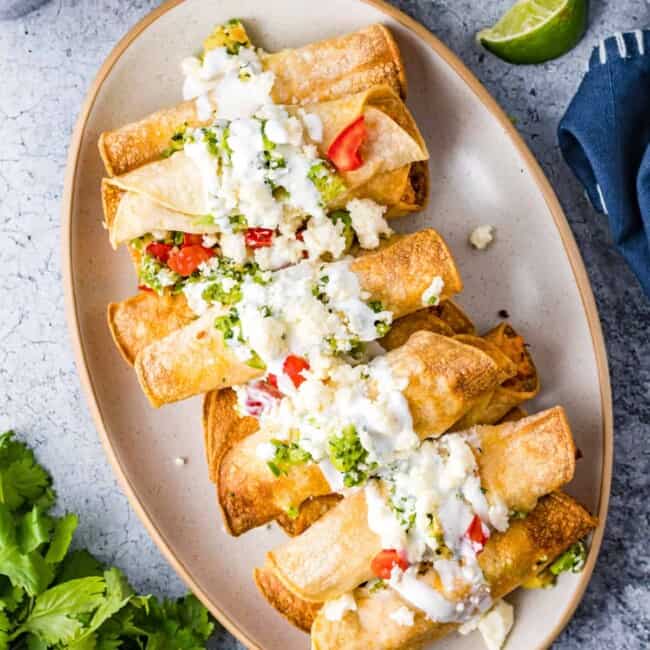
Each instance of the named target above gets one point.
<point>157,276</point>
<point>382,328</point>
<point>343,216</point>
<point>227,324</point>
<point>292,512</point>
<point>231,35</point>
<point>287,455</point>
<point>376,306</point>
<point>518,514</point>
<point>349,457</point>
<point>216,293</point>
<point>238,222</point>
<point>177,141</point>
<point>327,181</point>
<point>255,361</point>
<point>571,560</point>
<point>204,220</point>
<point>377,585</point>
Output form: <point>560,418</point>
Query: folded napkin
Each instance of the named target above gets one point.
<point>605,137</point>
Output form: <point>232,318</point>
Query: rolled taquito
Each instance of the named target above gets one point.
<point>144,318</point>
<point>170,194</point>
<point>508,560</point>
<point>445,378</point>
<point>317,72</point>
<point>298,520</point>
<point>223,426</point>
<point>250,495</point>
<point>518,462</point>
<point>195,359</point>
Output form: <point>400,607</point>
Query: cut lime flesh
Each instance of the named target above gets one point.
<point>534,31</point>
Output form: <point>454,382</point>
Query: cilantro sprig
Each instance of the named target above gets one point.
<point>51,597</point>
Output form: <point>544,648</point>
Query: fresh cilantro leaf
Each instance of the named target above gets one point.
<point>5,627</point>
<point>53,617</point>
<point>118,594</point>
<point>34,643</point>
<point>33,530</point>
<point>87,608</point>
<point>79,564</point>
<point>350,457</point>
<point>61,538</point>
<point>28,571</point>
<point>287,455</point>
<point>10,597</point>
<point>21,478</point>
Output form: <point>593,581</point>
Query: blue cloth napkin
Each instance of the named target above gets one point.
<point>605,137</point>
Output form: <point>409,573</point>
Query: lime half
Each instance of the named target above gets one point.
<point>534,31</point>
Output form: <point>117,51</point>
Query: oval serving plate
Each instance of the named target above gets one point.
<point>481,173</point>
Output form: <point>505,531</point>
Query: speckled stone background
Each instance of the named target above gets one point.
<point>49,53</point>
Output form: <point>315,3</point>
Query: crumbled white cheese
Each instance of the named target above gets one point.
<point>334,610</point>
<point>179,461</point>
<point>160,235</point>
<point>210,241</point>
<point>265,451</point>
<point>431,295</point>
<point>285,250</point>
<point>422,595</point>
<point>323,237</point>
<point>496,625</point>
<point>482,236</point>
<point>313,124</point>
<point>368,221</point>
<point>233,246</point>
<point>403,616</point>
<point>193,292</point>
<point>230,85</point>
<point>167,277</point>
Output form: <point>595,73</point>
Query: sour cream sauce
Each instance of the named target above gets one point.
<point>422,506</point>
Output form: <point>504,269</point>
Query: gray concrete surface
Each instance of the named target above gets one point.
<point>50,51</point>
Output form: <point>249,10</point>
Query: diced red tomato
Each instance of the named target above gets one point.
<point>258,237</point>
<point>144,287</point>
<point>344,151</point>
<point>192,240</point>
<point>476,534</point>
<point>382,564</point>
<point>261,395</point>
<point>159,250</point>
<point>293,367</point>
<point>186,260</point>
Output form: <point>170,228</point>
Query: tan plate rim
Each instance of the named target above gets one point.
<point>552,203</point>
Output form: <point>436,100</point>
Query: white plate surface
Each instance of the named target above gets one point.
<point>481,174</point>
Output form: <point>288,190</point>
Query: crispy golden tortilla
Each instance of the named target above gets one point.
<point>143,318</point>
<point>445,318</point>
<point>246,485</point>
<point>314,508</point>
<point>195,359</point>
<point>223,428</point>
<point>523,385</point>
<point>171,192</point>
<point>519,462</point>
<point>445,378</point>
<point>508,560</point>
<point>318,72</point>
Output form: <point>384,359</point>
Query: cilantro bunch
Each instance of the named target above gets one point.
<point>53,598</point>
